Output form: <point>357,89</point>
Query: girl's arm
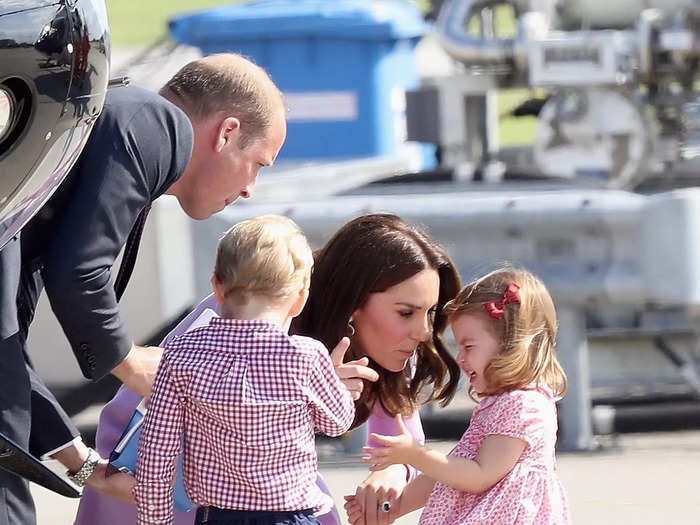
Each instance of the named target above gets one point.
<point>415,494</point>
<point>383,424</point>
<point>496,458</point>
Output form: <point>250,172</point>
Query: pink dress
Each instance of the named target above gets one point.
<point>531,493</point>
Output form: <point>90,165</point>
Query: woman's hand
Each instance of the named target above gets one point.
<point>365,506</point>
<point>401,449</point>
<point>118,485</point>
<point>352,373</point>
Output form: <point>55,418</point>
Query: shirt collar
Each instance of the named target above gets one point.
<point>247,325</point>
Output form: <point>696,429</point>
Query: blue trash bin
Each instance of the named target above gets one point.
<point>343,66</point>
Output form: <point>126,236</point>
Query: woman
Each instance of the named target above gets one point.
<point>383,283</point>
<point>387,282</point>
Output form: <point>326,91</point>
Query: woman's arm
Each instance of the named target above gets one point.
<point>386,485</point>
<point>496,458</point>
<point>414,496</point>
<point>377,488</point>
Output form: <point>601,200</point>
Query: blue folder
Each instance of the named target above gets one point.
<point>124,455</point>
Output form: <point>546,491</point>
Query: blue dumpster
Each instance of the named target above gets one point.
<point>343,66</point>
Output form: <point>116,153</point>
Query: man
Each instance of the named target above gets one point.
<point>203,139</point>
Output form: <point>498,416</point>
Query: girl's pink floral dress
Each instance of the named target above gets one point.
<point>531,493</point>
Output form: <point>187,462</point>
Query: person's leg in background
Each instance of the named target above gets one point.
<point>16,504</point>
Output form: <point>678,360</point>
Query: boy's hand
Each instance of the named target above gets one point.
<point>352,373</point>
<point>397,449</point>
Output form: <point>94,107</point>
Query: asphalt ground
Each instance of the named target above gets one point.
<point>641,479</point>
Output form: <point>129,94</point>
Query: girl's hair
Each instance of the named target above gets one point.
<point>368,255</point>
<point>527,330</point>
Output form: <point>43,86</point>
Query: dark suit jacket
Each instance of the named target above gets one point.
<point>139,146</point>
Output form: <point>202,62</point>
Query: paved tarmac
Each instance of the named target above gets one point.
<point>641,479</point>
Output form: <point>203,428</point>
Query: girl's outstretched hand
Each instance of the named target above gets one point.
<point>396,449</point>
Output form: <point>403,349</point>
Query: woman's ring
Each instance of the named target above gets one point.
<point>386,506</point>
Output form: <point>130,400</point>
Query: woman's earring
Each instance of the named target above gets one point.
<point>351,328</point>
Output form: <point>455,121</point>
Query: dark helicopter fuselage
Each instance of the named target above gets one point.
<point>54,72</point>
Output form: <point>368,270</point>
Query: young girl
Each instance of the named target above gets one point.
<point>503,470</point>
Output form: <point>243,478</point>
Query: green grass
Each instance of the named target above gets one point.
<point>142,22</point>
<point>511,130</point>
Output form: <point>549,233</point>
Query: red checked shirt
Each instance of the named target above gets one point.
<point>246,397</point>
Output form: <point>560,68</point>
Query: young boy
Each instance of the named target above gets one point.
<point>242,395</point>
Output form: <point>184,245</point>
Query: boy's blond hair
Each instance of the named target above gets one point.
<point>266,255</point>
<point>527,330</point>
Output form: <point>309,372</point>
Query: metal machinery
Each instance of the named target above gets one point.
<point>54,70</point>
<point>621,96</point>
<point>621,81</point>
<point>593,248</point>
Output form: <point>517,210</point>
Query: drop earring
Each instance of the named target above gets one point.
<point>351,328</point>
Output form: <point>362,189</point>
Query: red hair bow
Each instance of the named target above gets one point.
<point>496,309</point>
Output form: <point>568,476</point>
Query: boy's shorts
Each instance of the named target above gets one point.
<point>217,516</point>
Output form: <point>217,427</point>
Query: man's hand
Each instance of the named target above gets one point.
<point>401,449</point>
<point>138,370</point>
<point>352,373</point>
<point>118,485</point>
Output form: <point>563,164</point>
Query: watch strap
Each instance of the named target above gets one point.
<point>81,476</point>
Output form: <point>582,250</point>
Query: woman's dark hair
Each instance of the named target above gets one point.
<point>368,255</point>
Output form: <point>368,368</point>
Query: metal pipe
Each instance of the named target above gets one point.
<point>453,24</point>
<point>686,369</point>
<point>118,82</point>
<point>575,433</point>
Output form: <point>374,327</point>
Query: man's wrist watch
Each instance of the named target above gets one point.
<point>84,472</point>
